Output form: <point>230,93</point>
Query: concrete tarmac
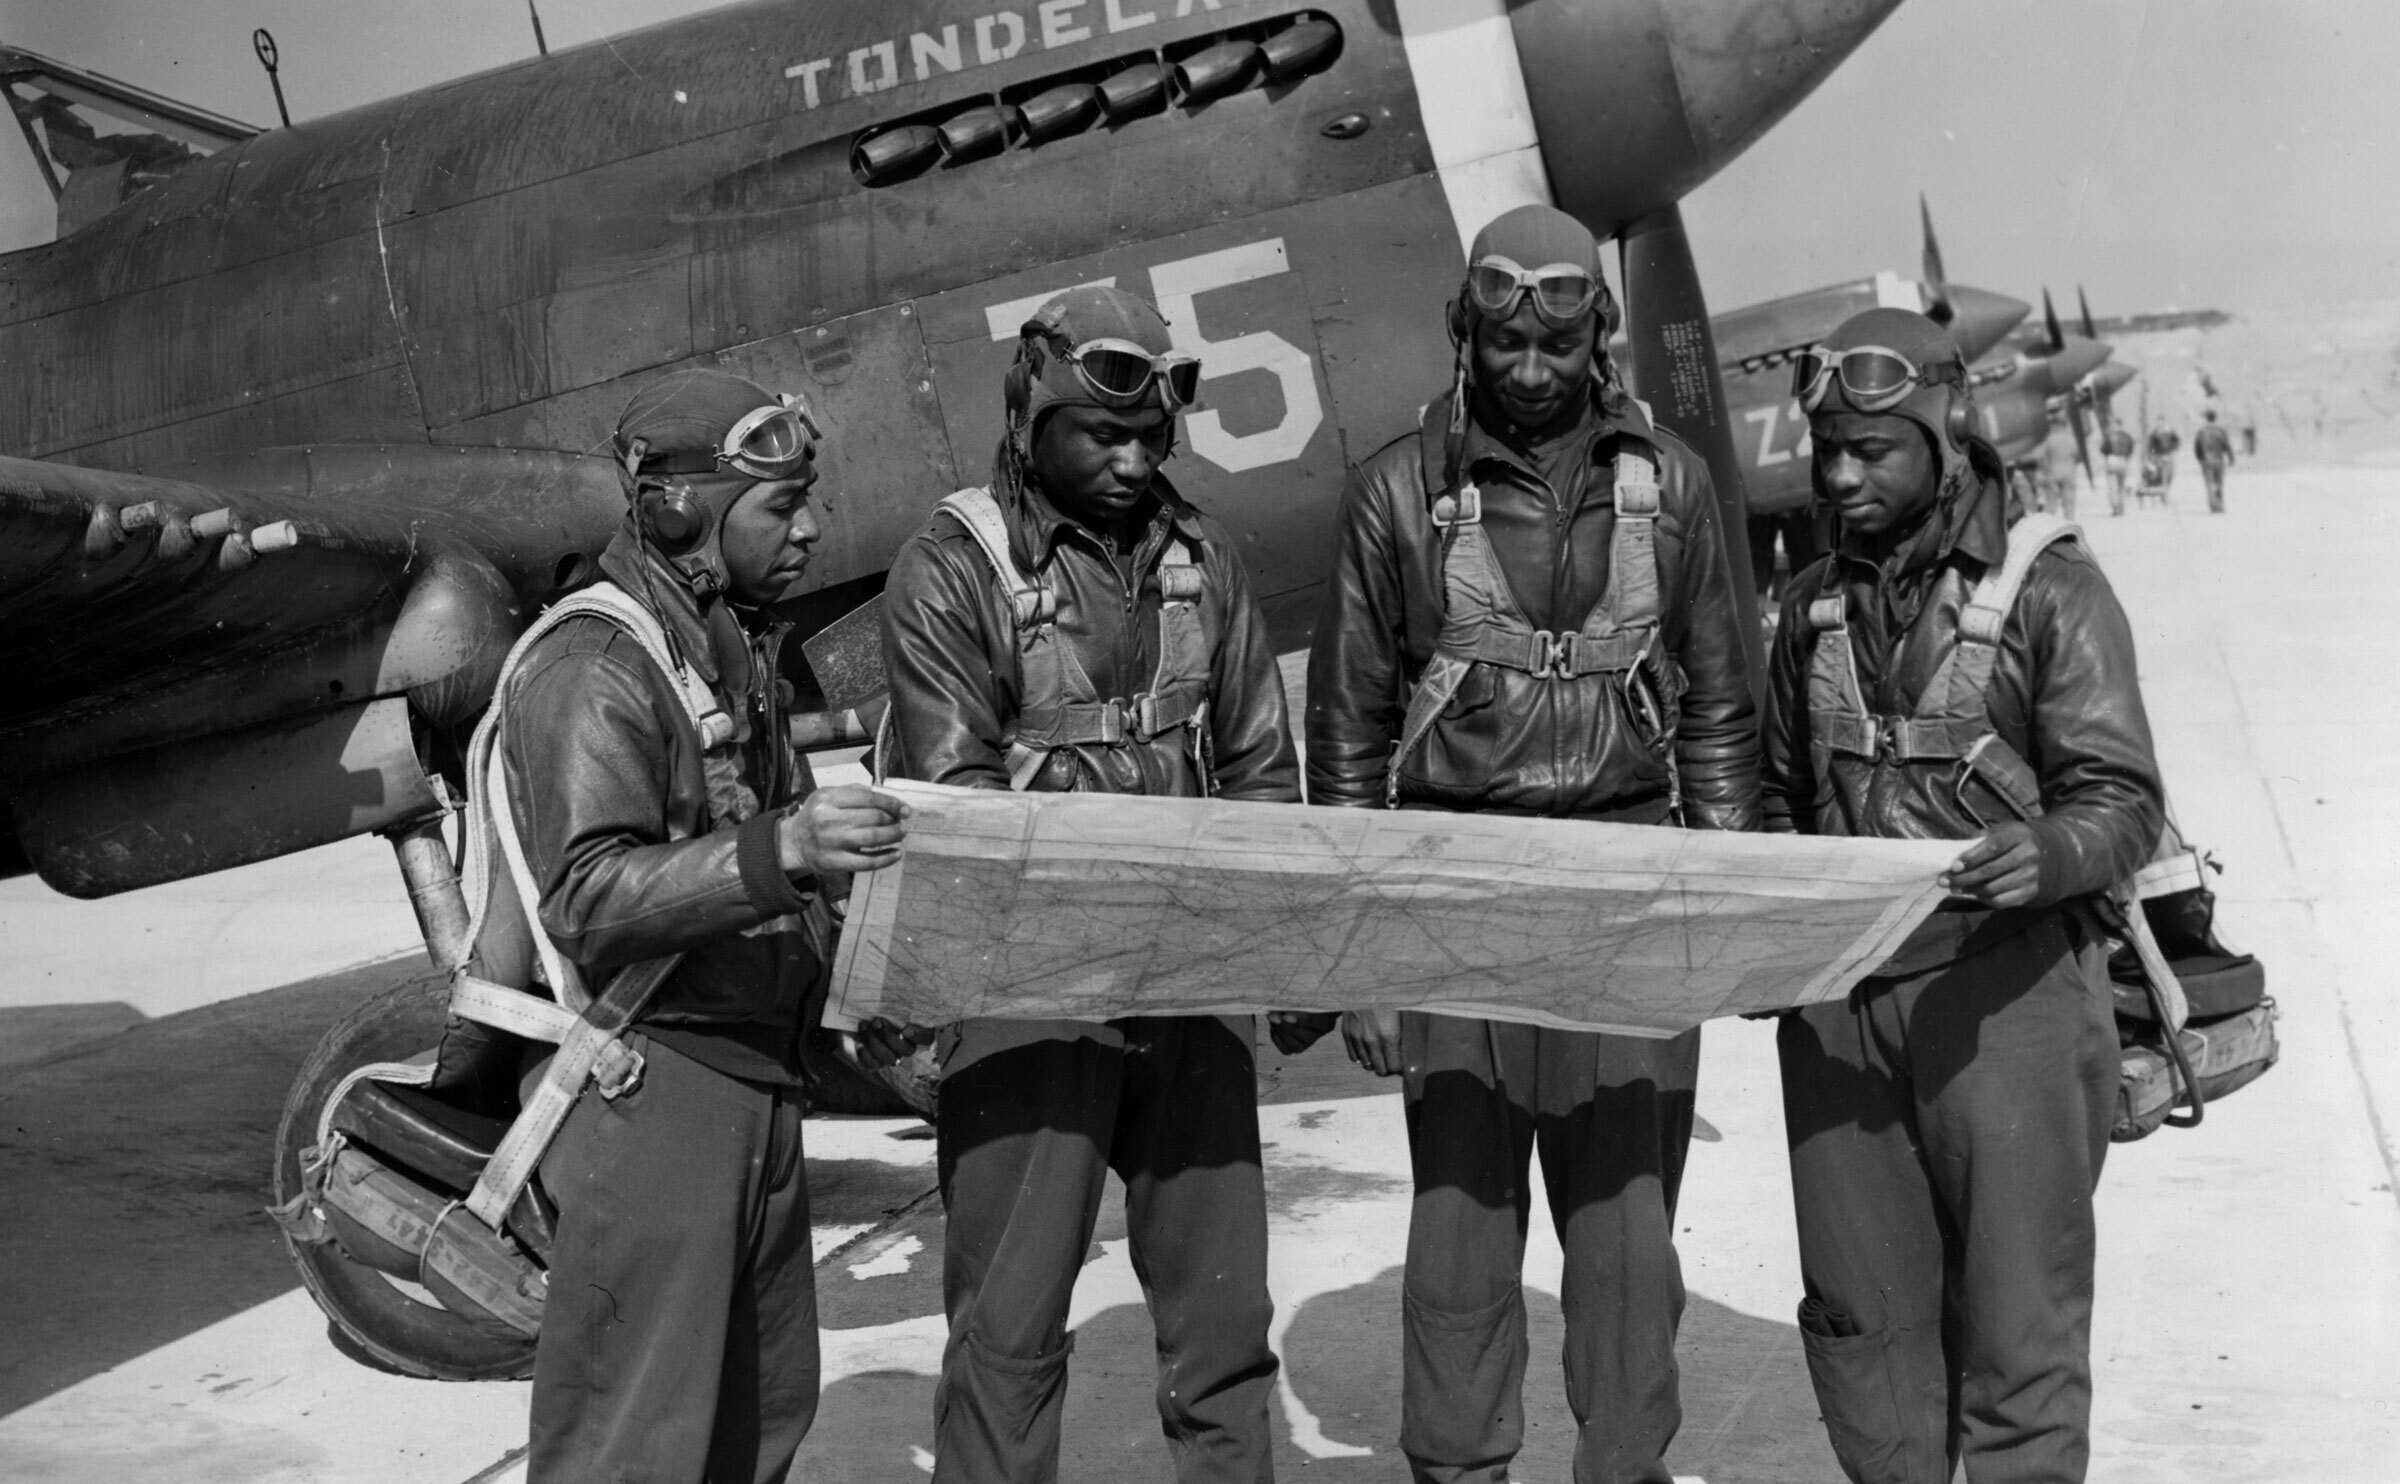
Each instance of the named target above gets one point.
<point>2248,1324</point>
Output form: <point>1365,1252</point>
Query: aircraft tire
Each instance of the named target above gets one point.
<point>838,1084</point>
<point>374,1319</point>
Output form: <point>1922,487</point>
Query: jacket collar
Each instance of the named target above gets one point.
<point>713,638</point>
<point>1040,526</point>
<point>1609,414</point>
<point>1970,520</point>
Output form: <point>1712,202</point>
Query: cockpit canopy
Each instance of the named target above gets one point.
<point>99,141</point>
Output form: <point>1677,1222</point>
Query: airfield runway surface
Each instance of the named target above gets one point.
<point>2249,1299</point>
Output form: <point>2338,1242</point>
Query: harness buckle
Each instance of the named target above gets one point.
<point>1112,721</point>
<point>1144,723</point>
<point>1887,740</point>
<point>1465,508</point>
<point>1554,654</point>
<point>618,1071</point>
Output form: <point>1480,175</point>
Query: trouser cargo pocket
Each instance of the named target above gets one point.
<point>1858,1393</point>
<point>997,1416</point>
<point>1462,1375</point>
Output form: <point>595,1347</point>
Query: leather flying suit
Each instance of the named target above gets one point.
<point>679,1337</point>
<point>1510,740</point>
<point>1034,1114</point>
<point>1948,1120</point>
<point>1611,1115</point>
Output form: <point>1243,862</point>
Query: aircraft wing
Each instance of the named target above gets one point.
<point>171,634</point>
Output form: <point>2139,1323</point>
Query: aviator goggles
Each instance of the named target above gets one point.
<point>1120,373</point>
<point>772,442</point>
<point>1562,292</point>
<point>1873,377</point>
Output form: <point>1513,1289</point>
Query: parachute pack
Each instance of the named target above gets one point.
<point>403,1189</point>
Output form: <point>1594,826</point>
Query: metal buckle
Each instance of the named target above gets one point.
<point>1112,721</point>
<point>618,1071</point>
<point>1887,740</point>
<point>1554,654</point>
<point>1144,725</point>
<point>1462,509</point>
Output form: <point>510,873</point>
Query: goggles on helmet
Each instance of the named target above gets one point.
<point>1562,292</point>
<point>771,442</point>
<point>1120,373</point>
<point>1874,378</point>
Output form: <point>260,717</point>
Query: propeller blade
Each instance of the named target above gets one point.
<point>1676,369</point>
<point>2083,435</point>
<point>1937,283</point>
<point>2090,332</point>
<point>2058,337</point>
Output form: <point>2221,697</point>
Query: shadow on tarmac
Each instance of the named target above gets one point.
<point>1749,1416</point>
<point>137,1166</point>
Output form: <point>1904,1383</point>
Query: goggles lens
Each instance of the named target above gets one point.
<point>771,442</point>
<point>1121,373</point>
<point>1873,378</point>
<point>1562,293</point>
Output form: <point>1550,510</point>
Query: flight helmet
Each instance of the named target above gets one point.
<point>1537,252</point>
<point>1893,361</point>
<point>1094,346</point>
<point>692,443</point>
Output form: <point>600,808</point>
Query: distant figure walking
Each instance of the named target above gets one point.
<point>2213,447</point>
<point>2158,462</point>
<point>2116,453</point>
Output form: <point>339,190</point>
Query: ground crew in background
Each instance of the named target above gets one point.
<point>2213,447</point>
<point>2158,455</point>
<point>1947,1120</point>
<point>1079,628</point>
<point>2116,451</point>
<point>679,1339</point>
<point>1531,613</point>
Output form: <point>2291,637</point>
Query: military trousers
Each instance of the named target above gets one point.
<point>679,1338</point>
<point>1026,1136</point>
<point>1612,1119</point>
<point>1946,1134</point>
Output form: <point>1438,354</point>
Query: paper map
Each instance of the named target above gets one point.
<point>1094,906</point>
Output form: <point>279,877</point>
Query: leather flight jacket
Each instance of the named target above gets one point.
<point>1851,748</point>
<point>959,695</point>
<point>1591,732</point>
<point>646,843</point>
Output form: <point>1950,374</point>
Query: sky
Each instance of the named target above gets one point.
<point>2239,154</point>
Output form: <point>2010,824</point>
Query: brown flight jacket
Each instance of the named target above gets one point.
<point>613,806</point>
<point>2064,694</point>
<point>1511,741</point>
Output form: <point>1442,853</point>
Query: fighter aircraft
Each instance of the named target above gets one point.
<point>2022,384</point>
<point>304,422</point>
<point>1755,346</point>
<point>303,426</point>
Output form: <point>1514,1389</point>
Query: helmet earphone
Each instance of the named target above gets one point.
<point>671,517</point>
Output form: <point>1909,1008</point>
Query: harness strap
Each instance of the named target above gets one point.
<point>1482,624</point>
<point>589,1043</point>
<point>1178,693</point>
<point>1029,599</point>
<point>587,1029</point>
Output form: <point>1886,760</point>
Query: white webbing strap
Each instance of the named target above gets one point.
<point>592,1038</point>
<point>2166,990</point>
<point>976,509</point>
<point>1980,619</point>
<point>585,1028</point>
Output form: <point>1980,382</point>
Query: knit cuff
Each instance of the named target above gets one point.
<point>771,891</point>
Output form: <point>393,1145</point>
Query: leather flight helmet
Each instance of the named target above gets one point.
<point>1924,379</point>
<point>692,443</point>
<point>1094,346</point>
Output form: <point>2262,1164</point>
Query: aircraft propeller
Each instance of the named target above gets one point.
<point>1938,307</point>
<point>2058,337</point>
